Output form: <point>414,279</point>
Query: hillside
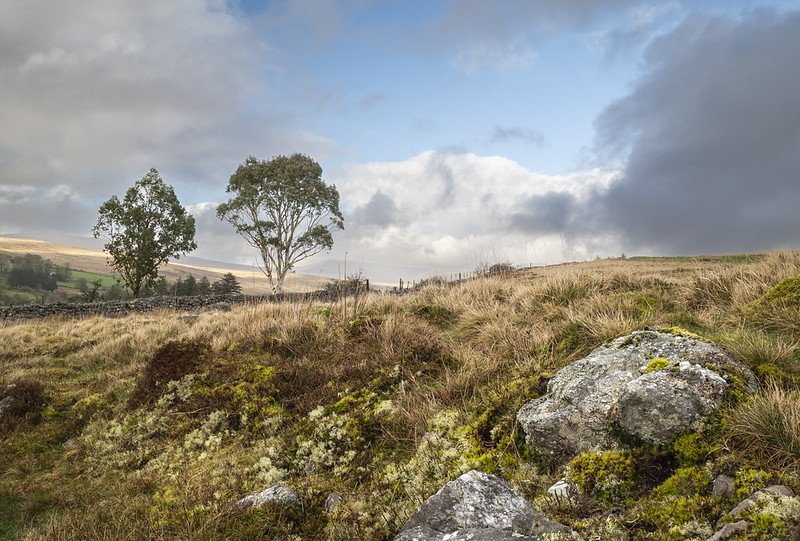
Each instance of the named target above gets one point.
<point>153,426</point>
<point>94,261</point>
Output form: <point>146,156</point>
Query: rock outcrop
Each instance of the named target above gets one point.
<point>647,387</point>
<point>477,507</point>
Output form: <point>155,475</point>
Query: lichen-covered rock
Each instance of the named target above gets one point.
<point>730,530</point>
<point>773,492</point>
<point>486,534</point>
<point>280,493</point>
<point>477,506</point>
<point>648,386</point>
<point>723,486</point>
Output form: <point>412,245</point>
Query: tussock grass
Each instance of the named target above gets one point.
<point>767,426</point>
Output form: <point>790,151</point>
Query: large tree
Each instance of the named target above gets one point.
<point>144,230</point>
<point>284,209</point>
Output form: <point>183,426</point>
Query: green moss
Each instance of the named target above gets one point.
<point>680,331</point>
<point>766,527</point>
<point>748,481</point>
<point>608,476</point>
<point>787,291</point>
<point>436,314</point>
<point>691,449</point>
<point>658,363</point>
<point>646,306</point>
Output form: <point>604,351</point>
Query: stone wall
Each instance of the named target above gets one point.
<point>122,308</point>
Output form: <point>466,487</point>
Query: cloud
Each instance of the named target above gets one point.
<point>92,96</point>
<point>502,134</point>
<point>710,138</point>
<point>445,212</point>
<point>502,36</point>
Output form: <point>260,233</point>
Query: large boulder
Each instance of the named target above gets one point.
<point>477,507</point>
<point>646,387</point>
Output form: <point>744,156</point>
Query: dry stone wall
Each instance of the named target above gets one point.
<point>122,308</point>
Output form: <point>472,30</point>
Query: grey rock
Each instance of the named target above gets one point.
<point>729,530</point>
<point>333,501</point>
<point>280,493</point>
<point>476,506</point>
<point>420,533</point>
<point>773,491</point>
<point>610,397</point>
<point>723,486</point>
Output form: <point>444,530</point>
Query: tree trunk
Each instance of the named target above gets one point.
<point>279,286</point>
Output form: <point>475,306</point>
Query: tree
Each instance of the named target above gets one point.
<point>284,209</point>
<point>144,230</point>
<point>228,285</point>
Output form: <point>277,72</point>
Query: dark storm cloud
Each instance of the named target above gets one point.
<point>711,137</point>
<point>552,212</point>
<point>502,134</point>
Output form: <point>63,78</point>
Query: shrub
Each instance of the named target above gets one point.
<point>767,427</point>
<point>24,400</point>
<point>170,362</point>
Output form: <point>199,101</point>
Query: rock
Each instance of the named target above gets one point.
<point>774,491</point>
<point>333,501</point>
<point>648,386</point>
<point>562,489</point>
<point>723,486</point>
<point>280,493</point>
<point>484,534</point>
<point>729,530</point>
<point>476,506</point>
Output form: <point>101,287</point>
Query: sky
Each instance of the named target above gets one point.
<point>458,133</point>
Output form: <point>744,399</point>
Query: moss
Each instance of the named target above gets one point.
<point>765,527</point>
<point>787,291</point>
<point>646,306</point>
<point>608,476</point>
<point>769,372</point>
<point>690,449</point>
<point>680,331</point>
<point>436,314</point>
<point>658,363</point>
<point>679,504</point>
<point>747,481</point>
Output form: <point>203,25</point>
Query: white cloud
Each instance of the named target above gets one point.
<point>453,211</point>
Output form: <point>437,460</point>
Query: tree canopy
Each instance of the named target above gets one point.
<point>144,230</point>
<point>284,209</point>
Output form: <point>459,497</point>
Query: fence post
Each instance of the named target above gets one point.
<point>367,284</point>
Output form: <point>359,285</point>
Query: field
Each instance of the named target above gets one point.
<point>94,263</point>
<point>152,426</point>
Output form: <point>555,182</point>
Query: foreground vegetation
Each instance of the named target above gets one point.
<point>152,426</point>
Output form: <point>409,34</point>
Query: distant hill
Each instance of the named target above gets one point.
<point>92,260</point>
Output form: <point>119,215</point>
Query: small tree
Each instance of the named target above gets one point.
<point>284,209</point>
<point>144,230</point>
<point>227,285</point>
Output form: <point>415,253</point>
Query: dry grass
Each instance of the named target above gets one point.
<point>767,427</point>
<point>470,352</point>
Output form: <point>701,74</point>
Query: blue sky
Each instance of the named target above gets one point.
<point>458,132</point>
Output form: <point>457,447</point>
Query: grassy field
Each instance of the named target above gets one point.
<point>152,426</point>
<point>94,263</point>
